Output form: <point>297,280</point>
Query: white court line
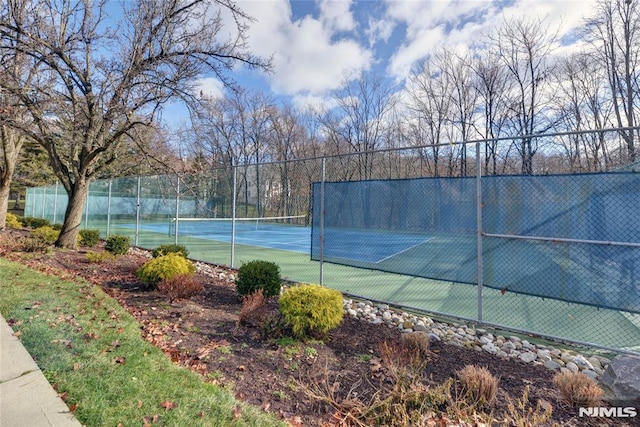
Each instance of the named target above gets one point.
<point>402,251</point>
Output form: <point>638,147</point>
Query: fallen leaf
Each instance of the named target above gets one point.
<point>168,404</point>
<point>201,414</point>
<point>17,333</point>
<point>139,404</point>
<point>120,360</point>
<point>237,412</point>
<point>76,366</point>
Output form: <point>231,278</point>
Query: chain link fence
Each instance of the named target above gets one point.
<point>542,241</point>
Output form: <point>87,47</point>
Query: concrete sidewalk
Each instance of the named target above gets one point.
<point>26,397</point>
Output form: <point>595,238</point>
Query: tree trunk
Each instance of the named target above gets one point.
<point>5,185</point>
<point>73,215</point>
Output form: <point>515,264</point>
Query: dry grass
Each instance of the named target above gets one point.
<point>416,342</point>
<point>180,286</point>
<point>479,385</point>
<point>578,389</point>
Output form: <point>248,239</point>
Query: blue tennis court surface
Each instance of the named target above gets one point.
<point>285,237</point>
<point>367,246</point>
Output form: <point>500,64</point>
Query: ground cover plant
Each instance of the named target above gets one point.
<point>362,374</point>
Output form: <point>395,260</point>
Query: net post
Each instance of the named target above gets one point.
<point>479,261</point>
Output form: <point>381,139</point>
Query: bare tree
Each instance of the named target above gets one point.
<point>428,90</point>
<point>615,34</point>
<point>363,106</point>
<point>524,47</point>
<point>111,75</point>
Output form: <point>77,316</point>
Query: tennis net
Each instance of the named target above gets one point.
<point>208,226</point>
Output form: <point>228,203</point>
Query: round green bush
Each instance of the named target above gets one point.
<point>170,249</point>
<point>256,275</point>
<point>117,244</point>
<point>164,267</point>
<point>89,238</point>
<point>29,221</point>
<point>311,310</point>
<point>45,234</point>
<point>12,221</point>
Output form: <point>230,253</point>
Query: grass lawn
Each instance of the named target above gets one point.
<point>91,349</point>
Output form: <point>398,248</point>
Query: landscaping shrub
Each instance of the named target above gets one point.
<point>311,310</point>
<point>164,267</point>
<point>170,249</point>
<point>13,221</point>
<point>180,286</point>
<point>416,342</point>
<point>99,257</point>
<point>478,384</point>
<point>32,244</point>
<point>578,389</point>
<point>89,238</point>
<point>45,234</point>
<point>256,275</point>
<point>29,221</point>
<point>117,244</point>
<point>250,303</point>
<point>56,226</point>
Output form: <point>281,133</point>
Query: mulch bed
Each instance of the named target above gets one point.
<point>203,333</point>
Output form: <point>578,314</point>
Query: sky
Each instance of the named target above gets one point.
<point>317,44</point>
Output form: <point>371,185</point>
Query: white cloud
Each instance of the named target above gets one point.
<point>379,30</point>
<point>210,87</point>
<point>306,59</point>
<point>434,24</point>
<point>336,15</point>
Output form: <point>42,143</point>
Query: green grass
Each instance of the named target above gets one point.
<point>91,348</point>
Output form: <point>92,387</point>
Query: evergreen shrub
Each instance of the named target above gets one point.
<point>164,267</point>
<point>89,238</point>
<point>258,274</point>
<point>117,244</point>
<point>170,249</point>
<point>311,310</point>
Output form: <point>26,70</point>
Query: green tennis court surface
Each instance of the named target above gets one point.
<point>545,316</point>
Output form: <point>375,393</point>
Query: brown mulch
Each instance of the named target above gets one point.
<point>203,333</point>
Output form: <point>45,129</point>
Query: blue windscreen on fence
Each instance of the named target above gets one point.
<point>427,227</point>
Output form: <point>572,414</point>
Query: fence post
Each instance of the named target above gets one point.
<point>479,229</point>
<point>137,212</point>
<point>177,207</point>
<point>55,203</point>
<point>322,222</point>
<point>109,208</point>
<point>233,216</point>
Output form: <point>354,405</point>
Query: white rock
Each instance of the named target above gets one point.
<point>572,367</point>
<point>528,357</point>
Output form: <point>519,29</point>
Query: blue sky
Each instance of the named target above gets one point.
<point>316,44</point>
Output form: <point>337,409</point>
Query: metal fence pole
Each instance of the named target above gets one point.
<point>109,208</point>
<point>177,207</point>
<point>55,203</point>
<point>322,222</point>
<point>137,212</point>
<point>479,229</point>
<point>44,201</point>
<point>233,216</point>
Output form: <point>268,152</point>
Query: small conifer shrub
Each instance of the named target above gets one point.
<point>256,275</point>
<point>12,221</point>
<point>117,244</point>
<point>311,310</point>
<point>32,222</point>
<point>164,267</point>
<point>46,234</point>
<point>89,238</point>
<point>170,249</point>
